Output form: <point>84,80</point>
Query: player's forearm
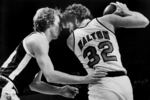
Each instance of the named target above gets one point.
<point>44,88</point>
<point>63,78</point>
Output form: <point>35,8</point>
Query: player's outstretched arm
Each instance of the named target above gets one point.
<point>123,17</point>
<point>44,88</point>
<point>40,50</point>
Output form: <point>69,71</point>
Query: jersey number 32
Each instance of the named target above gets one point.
<point>91,53</point>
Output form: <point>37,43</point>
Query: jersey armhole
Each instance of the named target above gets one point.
<point>26,49</point>
<point>104,26</point>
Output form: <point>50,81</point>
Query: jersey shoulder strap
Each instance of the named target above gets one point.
<point>104,25</point>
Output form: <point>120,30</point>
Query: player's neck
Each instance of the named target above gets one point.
<point>84,22</point>
<point>48,36</point>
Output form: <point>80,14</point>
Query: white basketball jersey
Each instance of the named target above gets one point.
<point>96,47</point>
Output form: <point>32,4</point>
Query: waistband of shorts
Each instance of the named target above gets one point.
<point>9,80</point>
<point>115,73</point>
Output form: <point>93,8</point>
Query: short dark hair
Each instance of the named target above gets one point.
<point>43,18</point>
<point>78,11</point>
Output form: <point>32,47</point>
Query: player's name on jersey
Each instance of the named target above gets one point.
<point>93,36</point>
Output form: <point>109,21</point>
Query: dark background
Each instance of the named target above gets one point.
<point>16,22</point>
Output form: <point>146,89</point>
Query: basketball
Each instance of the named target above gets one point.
<point>109,9</point>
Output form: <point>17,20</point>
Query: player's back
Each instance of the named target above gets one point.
<point>20,67</point>
<point>97,48</point>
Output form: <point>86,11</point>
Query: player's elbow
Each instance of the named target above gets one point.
<point>145,22</point>
<point>140,19</point>
<point>142,22</point>
<point>33,86</point>
<point>50,77</point>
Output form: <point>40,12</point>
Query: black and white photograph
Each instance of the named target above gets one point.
<point>74,50</point>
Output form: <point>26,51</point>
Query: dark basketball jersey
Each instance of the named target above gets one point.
<point>20,67</point>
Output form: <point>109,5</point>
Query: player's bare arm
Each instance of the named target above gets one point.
<point>40,48</point>
<point>42,87</point>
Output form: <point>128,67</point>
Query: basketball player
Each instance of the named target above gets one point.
<point>19,69</point>
<point>94,43</point>
<point>17,72</point>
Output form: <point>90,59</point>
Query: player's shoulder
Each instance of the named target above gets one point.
<point>37,36</point>
<point>35,39</point>
<point>107,22</point>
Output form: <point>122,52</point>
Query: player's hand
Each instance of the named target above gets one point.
<point>69,91</point>
<point>94,77</point>
<point>122,6</point>
<point>122,9</point>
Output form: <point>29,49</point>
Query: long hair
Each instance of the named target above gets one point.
<point>77,11</point>
<point>43,18</point>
